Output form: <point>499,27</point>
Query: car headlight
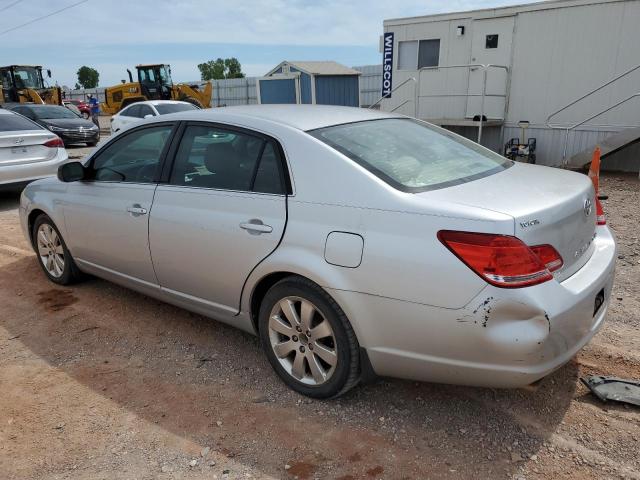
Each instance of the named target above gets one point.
<point>94,128</point>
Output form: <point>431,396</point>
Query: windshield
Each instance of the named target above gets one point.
<point>411,155</point>
<point>165,108</point>
<point>28,77</point>
<point>165,75</point>
<point>53,111</point>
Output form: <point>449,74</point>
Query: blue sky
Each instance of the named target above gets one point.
<point>112,35</point>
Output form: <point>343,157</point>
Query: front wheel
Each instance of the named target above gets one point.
<point>53,255</point>
<point>308,339</point>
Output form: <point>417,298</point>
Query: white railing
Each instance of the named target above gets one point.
<point>572,126</point>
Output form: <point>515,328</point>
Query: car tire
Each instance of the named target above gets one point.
<point>322,366</point>
<point>92,144</point>
<point>52,253</point>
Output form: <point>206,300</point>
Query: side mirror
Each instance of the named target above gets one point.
<point>49,73</point>
<point>71,172</point>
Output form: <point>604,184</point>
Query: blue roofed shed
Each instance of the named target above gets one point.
<point>313,82</point>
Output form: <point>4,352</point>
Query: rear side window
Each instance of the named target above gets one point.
<point>165,108</point>
<point>213,157</point>
<point>412,156</point>
<point>14,123</point>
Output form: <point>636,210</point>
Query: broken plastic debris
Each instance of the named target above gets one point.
<point>613,388</point>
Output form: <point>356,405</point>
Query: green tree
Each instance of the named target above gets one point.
<point>87,77</point>
<point>220,69</point>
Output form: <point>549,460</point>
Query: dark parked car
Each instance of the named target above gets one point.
<point>63,122</point>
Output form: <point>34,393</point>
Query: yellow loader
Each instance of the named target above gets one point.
<point>154,83</point>
<point>24,84</point>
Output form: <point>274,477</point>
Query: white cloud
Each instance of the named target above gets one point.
<point>274,22</point>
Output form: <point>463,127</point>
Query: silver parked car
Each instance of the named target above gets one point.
<point>351,241</point>
<point>27,150</point>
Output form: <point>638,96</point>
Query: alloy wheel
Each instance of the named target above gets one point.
<point>50,250</point>
<point>303,340</point>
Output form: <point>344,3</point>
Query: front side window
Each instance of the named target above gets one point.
<point>212,157</point>
<point>145,110</point>
<point>411,155</point>
<point>134,158</point>
<point>131,111</point>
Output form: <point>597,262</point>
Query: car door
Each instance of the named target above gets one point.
<point>222,210</point>
<point>107,216</point>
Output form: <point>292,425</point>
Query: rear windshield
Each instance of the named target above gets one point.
<point>15,122</point>
<point>412,156</point>
<point>53,111</point>
<point>165,108</point>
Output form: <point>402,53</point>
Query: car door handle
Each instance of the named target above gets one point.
<point>137,210</point>
<point>256,227</point>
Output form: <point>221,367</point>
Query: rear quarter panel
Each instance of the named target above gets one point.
<point>402,257</point>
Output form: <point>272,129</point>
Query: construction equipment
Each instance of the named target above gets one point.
<point>24,84</point>
<point>154,83</point>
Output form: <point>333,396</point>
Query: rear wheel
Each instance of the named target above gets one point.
<point>308,339</point>
<point>53,255</point>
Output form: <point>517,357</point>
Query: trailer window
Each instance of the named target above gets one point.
<point>491,41</point>
<point>416,54</point>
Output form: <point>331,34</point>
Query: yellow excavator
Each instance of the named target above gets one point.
<point>154,83</point>
<point>24,84</point>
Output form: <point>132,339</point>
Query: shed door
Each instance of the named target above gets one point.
<point>279,89</point>
<point>491,44</point>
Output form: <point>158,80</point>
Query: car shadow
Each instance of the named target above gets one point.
<point>186,373</point>
<point>10,198</point>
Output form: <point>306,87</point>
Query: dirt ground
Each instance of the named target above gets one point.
<point>98,382</point>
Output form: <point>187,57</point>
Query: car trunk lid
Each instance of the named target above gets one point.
<point>23,147</point>
<point>548,205</point>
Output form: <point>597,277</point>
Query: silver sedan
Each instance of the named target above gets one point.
<point>352,242</point>
<point>27,150</point>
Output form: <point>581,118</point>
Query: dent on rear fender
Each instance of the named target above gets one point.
<point>509,324</point>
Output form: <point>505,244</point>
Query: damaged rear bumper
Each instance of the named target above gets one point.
<point>502,338</point>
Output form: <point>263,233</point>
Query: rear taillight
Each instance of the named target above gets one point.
<point>502,260</point>
<point>600,218</point>
<point>549,256</point>
<point>54,143</point>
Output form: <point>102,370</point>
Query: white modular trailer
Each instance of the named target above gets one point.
<point>537,59</point>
